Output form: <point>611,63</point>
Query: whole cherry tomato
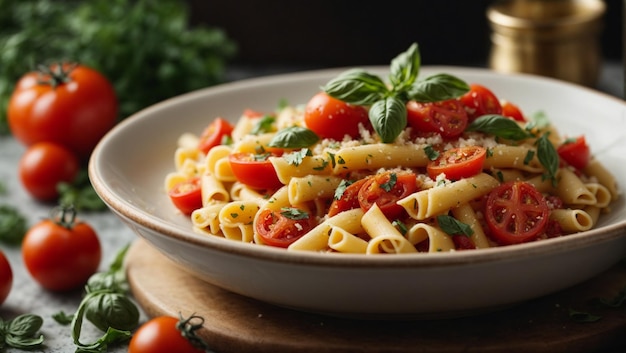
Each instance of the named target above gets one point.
<point>72,105</point>
<point>458,163</point>
<point>43,166</point>
<point>516,213</point>
<point>167,334</point>
<point>575,152</point>
<point>332,118</point>
<point>61,252</point>
<point>187,195</point>
<point>512,111</point>
<point>6,277</point>
<point>447,118</point>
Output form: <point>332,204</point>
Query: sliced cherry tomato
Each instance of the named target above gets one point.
<point>187,195</point>
<point>480,100</point>
<point>43,166</point>
<point>254,170</point>
<point>349,198</point>
<point>6,277</point>
<point>167,334</point>
<point>214,134</point>
<point>458,163</point>
<point>385,190</point>
<point>575,152</point>
<point>72,105</point>
<point>332,118</point>
<point>447,118</point>
<point>61,252</point>
<point>512,111</point>
<point>281,228</point>
<point>516,213</point>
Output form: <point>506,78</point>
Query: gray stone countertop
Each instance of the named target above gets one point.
<point>28,297</point>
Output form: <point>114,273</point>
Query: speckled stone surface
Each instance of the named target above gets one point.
<point>27,297</point>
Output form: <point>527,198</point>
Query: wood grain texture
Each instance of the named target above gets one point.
<point>234,323</point>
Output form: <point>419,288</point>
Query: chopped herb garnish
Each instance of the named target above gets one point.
<point>265,124</point>
<point>296,157</point>
<point>294,213</point>
<point>452,226</point>
<point>388,186</point>
<point>529,157</point>
<point>431,153</point>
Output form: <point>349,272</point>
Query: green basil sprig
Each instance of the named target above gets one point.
<point>294,137</point>
<point>388,103</point>
<point>499,126</point>
<point>22,332</point>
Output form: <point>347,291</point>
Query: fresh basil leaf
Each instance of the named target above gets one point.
<point>548,157</point>
<point>388,117</point>
<point>452,226</point>
<point>22,331</point>
<point>405,68</point>
<point>499,126</point>
<point>263,125</point>
<point>388,186</point>
<point>356,86</point>
<point>437,87</point>
<point>294,137</point>
<point>294,213</point>
<point>295,158</point>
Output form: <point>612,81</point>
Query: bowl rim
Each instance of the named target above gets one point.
<point>130,212</point>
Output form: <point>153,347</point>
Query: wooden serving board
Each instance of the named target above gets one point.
<point>237,324</point>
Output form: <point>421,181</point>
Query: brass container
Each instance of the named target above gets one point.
<point>555,38</point>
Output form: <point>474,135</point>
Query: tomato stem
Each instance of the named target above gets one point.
<point>188,329</point>
<point>65,216</point>
<point>56,74</point>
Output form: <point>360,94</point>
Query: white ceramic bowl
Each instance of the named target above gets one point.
<point>128,168</point>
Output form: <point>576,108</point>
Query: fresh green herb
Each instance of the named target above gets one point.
<point>529,157</point>
<point>260,157</point>
<point>389,184</point>
<point>13,225</point>
<point>452,226</point>
<point>294,213</point>
<point>265,124</point>
<point>22,332</point>
<point>538,120</point>
<point>173,57</point>
<point>387,111</point>
<point>80,194</point>
<point>400,226</point>
<point>294,137</point>
<point>500,176</point>
<point>431,153</point>
<point>548,157</point>
<point>343,185</point>
<point>296,157</point>
<point>107,306</point>
<point>499,126</point>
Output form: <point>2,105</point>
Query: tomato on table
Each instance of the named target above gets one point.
<point>332,118</point>
<point>167,334</point>
<point>516,212</point>
<point>43,166</point>
<point>282,228</point>
<point>72,105</point>
<point>512,111</point>
<point>480,100</point>
<point>6,277</point>
<point>187,195</point>
<point>385,190</point>
<point>254,170</point>
<point>61,252</point>
<point>447,118</point>
<point>349,198</point>
<point>575,152</point>
<point>458,163</point>
<point>214,134</point>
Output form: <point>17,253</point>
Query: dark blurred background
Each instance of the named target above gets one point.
<point>328,33</point>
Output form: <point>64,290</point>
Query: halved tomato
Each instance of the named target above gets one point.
<point>385,190</point>
<point>254,170</point>
<point>214,134</point>
<point>187,195</point>
<point>575,152</point>
<point>458,163</point>
<point>480,100</point>
<point>281,228</point>
<point>447,118</point>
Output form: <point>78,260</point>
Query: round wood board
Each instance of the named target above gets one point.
<point>234,323</point>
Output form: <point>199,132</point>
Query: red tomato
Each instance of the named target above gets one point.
<point>254,170</point>
<point>61,253</point>
<point>516,212</point>
<point>512,111</point>
<point>447,118</point>
<point>332,118</point>
<point>43,166</point>
<point>385,189</point>
<point>214,133</point>
<point>73,106</point>
<point>479,100</point>
<point>187,195</point>
<point>349,198</point>
<point>6,277</point>
<point>162,335</point>
<point>576,153</point>
<point>458,163</point>
<point>278,228</point>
